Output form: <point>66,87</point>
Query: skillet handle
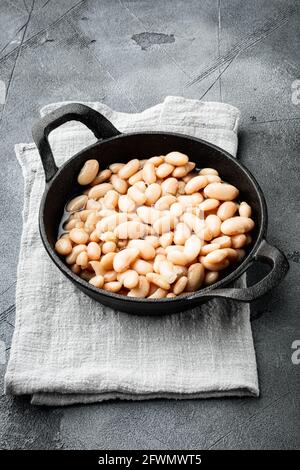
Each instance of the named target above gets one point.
<point>98,124</point>
<point>279,267</point>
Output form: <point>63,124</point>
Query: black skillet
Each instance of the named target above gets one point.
<point>112,146</point>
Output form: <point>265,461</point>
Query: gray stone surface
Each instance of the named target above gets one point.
<point>130,54</point>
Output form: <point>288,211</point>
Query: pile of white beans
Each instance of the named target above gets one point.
<point>154,228</point>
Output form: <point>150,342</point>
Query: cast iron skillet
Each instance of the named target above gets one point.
<point>112,146</point>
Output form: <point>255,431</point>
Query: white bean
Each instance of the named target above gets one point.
<point>88,172</point>
<point>245,210</point>
<point>166,239</point>
<point>107,261</point>
<point>63,246</point>
<point>149,174</point>
<point>142,267</point>
<point>227,210</point>
<point>194,223</point>
<point>114,286</point>
<point>146,250</point>
<point>170,248</point>
<point>180,285</point>
<point>83,214</point>
<point>221,191</point>
<point>82,259</point>
<point>164,170</point>
<point>69,224</point>
<point>223,241</point>
<point>103,176</point>
<point>237,225</point>
<point>136,194</point>
<point>232,255</point>
<point>176,158</point>
<point>208,171</point>
<point>164,224</point>
<point>216,256</point>
<point>214,225</point>
<point>153,240</point>
<point>129,169</point>
<point>148,214</point>
<point>215,266</point>
<point>94,236</point>
<point>238,241</point>
<point>152,193</point>
<point>166,269</point>
<point>97,267</point>
<point>79,236</point>
<point>165,202</point>
<point>176,209</point>
<point>119,184</point>
<point>93,251</point>
<point>97,281</point>
<point>71,258</point>
<point>141,185</point>
<point>123,259</point>
<point>156,160</point>
<point>192,247</point>
<point>142,290</point>
<point>169,186</point>
<point>213,179</point>
<point>195,277</point>
<point>181,234</point>
<point>129,278</point>
<point>108,236</point>
<point>191,200</point>
<point>116,167</point>
<point>209,204</point>
<point>77,203</point>
<point>211,277</point>
<point>209,248</point>
<point>177,257</point>
<point>182,171</point>
<point>108,247</point>
<point>195,184</point>
<point>138,176</point>
<point>98,191</point>
<point>126,204</point>
<point>110,276</point>
<point>157,262</point>
<point>111,199</point>
<point>158,294</point>
<point>158,280</point>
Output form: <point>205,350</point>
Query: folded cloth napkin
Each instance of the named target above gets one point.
<point>68,349</point>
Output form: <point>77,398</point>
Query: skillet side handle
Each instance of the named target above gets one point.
<point>96,122</point>
<point>279,267</point>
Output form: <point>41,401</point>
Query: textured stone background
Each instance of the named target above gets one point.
<point>130,55</point>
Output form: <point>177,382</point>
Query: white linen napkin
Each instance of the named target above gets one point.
<point>67,348</point>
